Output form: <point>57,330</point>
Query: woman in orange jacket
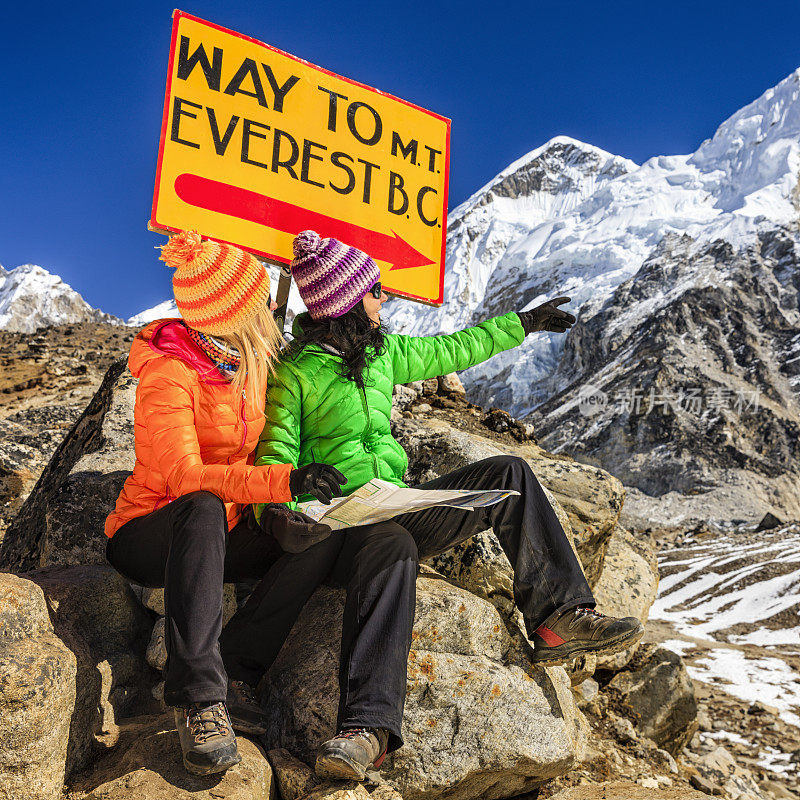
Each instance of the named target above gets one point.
<point>177,522</point>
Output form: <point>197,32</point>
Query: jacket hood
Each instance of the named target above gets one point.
<point>169,338</point>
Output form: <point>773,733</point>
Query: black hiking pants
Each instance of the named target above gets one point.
<point>185,547</point>
<point>377,565</point>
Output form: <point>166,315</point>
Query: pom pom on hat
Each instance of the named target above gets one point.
<point>331,276</point>
<point>306,243</point>
<point>182,248</point>
<point>218,287</point>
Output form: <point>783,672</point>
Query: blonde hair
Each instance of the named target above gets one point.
<point>258,342</point>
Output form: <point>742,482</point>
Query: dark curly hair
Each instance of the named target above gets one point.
<point>354,335</point>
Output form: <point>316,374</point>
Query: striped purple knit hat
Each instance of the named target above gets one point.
<point>331,277</point>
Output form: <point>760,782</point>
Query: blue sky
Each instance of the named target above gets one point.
<point>82,89</point>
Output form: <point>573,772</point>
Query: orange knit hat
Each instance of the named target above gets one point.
<point>217,287</point>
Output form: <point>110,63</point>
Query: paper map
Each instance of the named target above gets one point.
<point>380,500</point>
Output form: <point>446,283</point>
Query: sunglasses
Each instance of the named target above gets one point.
<point>376,291</point>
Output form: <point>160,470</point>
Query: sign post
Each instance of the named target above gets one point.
<point>258,145</point>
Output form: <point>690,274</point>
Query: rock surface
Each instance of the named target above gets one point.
<point>96,615</point>
<point>627,790</point>
<point>37,695</point>
<point>339,790</point>
<point>479,719</point>
<point>293,778</point>
<point>627,587</point>
<point>656,689</point>
<point>148,766</point>
<point>71,664</point>
<point>720,771</point>
<point>46,380</point>
<point>61,522</point>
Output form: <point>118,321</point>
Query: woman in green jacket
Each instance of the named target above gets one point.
<point>330,401</point>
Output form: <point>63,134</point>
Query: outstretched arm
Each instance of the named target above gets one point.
<point>416,358</point>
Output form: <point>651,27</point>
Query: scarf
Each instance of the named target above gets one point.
<point>225,357</point>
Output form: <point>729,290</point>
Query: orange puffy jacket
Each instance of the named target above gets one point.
<point>192,430</point>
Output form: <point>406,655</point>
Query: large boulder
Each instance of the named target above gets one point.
<point>96,615</point>
<point>37,695</point>
<point>591,498</point>
<point>61,522</point>
<point>627,586</point>
<point>148,766</point>
<point>480,720</point>
<point>656,690</point>
<point>77,511</point>
<point>293,777</point>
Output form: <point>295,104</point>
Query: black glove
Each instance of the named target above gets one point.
<point>318,480</point>
<point>547,317</point>
<point>293,531</point>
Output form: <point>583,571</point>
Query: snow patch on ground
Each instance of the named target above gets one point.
<point>769,680</point>
<point>714,589</point>
<point>775,761</point>
<point>726,735</point>
<point>720,585</point>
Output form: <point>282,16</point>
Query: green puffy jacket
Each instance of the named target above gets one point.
<point>314,414</point>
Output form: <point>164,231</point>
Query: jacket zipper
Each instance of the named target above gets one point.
<point>244,421</point>
<point>366,430</point>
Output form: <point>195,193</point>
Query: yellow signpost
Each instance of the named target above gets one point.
<point>257,145</point>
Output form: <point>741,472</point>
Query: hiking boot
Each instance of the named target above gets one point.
<point>351,753</point>
<point>583,630</point>
<point>207,739</point>
<point>245,712</point>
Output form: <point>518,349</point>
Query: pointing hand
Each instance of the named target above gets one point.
<point>547,317</point>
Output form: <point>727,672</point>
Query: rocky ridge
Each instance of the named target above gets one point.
<point>46,380</point>
<point>694,392</point>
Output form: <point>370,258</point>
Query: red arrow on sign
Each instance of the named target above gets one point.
<point>223,198</point>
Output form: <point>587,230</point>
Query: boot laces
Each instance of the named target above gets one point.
<point>205,722</point>
<point>595,617</point>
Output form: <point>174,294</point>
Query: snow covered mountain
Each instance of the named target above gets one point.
<point>32,298</point>
<point>682,375</point>
<point>160,311</point>
<point>571,219</point>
